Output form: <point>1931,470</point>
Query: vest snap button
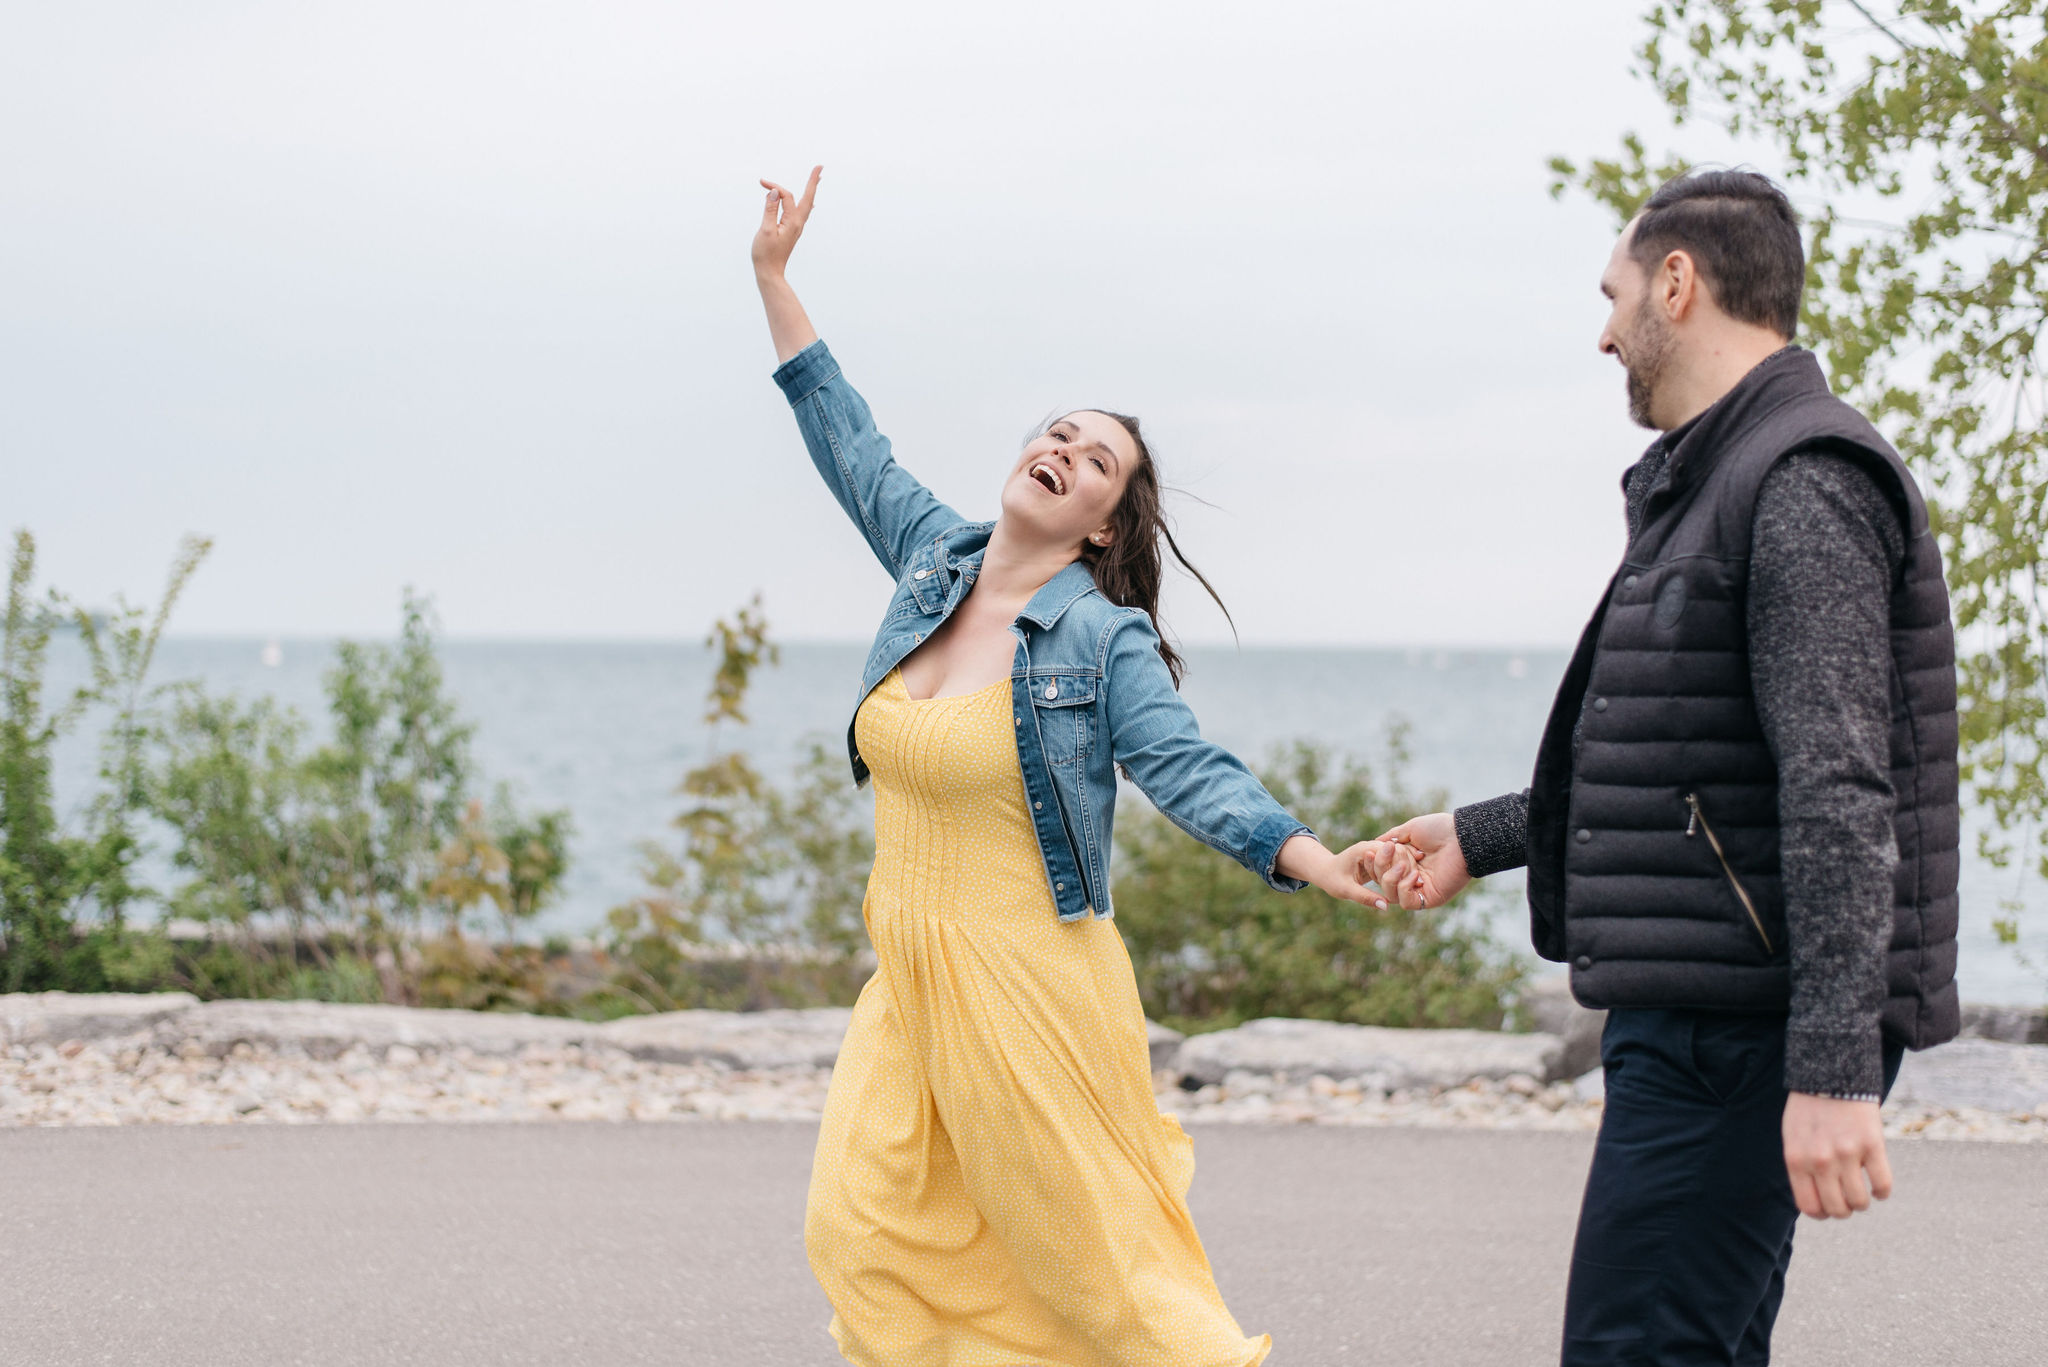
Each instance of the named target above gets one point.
<point>1629,582</point>
<point>1583,962</point>
<point>1599,704</point>
<point>1584,835</point>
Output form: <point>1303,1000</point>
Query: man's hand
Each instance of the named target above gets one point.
<point>1420,862</point>
<point>1829,1147</point>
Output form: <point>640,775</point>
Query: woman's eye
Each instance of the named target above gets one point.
<point>1099,465</point>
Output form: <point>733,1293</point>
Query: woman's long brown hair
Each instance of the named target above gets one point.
<point>1129,569</point>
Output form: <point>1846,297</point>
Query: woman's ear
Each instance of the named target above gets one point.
<point>1102,535</point>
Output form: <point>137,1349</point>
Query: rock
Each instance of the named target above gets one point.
<point>54,1017</point>
<point>1987,1074</point>
<point>1391,1060</point>
<point>1590,1086</point>
<point>1165,1044</point>
<point>2012,1024</point>
<point>742,1040</point>
<point>327,1030</point>
<point>1548,1005</point>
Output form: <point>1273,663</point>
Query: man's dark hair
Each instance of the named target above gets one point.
<point>1742,234</point>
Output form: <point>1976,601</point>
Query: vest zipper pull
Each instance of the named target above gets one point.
<point>1692,800</point>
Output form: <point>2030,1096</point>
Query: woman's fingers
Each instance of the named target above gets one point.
<point>781,204</point>
<point>803,208</point>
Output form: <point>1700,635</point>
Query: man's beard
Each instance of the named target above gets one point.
<point>1649,353</point>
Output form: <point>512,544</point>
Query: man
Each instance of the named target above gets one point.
<point>1743,829</point>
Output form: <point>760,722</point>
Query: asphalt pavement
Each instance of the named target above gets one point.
<point>596,1244</point>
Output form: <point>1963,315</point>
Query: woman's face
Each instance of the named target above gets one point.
<point>1068,482</point>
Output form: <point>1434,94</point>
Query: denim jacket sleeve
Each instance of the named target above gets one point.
<point>1199,786</point>
<point>893,510</point>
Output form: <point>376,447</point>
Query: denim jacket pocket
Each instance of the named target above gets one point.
<point>1065,704</point>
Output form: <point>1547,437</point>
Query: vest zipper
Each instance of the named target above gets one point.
<point>1699,823</point>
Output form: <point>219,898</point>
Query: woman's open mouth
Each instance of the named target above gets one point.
<point>1049,477</point>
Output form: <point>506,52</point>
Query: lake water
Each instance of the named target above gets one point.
<point>607,731</point>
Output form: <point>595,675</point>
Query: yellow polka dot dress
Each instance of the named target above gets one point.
<point>994,1184</point>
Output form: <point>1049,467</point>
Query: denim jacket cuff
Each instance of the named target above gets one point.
<point>807,372</point>
<point>1263,850</point>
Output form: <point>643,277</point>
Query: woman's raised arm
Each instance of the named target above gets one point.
<point>782,223</point>
<point>895,513</point>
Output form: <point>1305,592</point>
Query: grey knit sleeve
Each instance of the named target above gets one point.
<point>1494,835</point>
<point>1827,544</point>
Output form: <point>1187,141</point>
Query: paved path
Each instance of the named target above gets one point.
<point>592,1244</point>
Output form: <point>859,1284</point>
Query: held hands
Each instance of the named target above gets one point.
<point>1348,874</point>
<point>782,223</point>
<point>1830,1146</point>
<point>1419,862</point>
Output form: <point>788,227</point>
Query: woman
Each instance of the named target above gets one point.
<point>994,1183</point>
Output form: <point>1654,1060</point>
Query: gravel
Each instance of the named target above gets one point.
<point>136,1081</point>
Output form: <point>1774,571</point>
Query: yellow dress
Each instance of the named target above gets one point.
<point>994,1182</point>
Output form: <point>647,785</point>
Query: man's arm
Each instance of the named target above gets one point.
<point>1826,547</point>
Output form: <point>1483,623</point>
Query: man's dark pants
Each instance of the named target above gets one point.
<point>1686,1229</point>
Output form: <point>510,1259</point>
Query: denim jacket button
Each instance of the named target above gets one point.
<point>920,574</point>
<point>1052,690</point>
<point>1038,806</point>
<point>1059,887</point>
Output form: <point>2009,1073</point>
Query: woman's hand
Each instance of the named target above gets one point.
<point>782,223</point>
<point>1348,875</point>
<point>1420,862</point>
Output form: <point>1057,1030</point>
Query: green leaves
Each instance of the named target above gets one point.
<point>51,881</point>
<point>1213,946</point>
<point>1930,316</point>
<point>759,903</point>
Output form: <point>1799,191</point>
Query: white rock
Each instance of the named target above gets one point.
<point>751,1039</point>
<point>1986,1074</point>
<point>1165,1044</point>
<point>1388,1059</point>
<point>329,1029</point>
<point>1548,1005</point>
<point>54,1017</point>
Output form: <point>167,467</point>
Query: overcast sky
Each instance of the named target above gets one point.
<point>457,296</point>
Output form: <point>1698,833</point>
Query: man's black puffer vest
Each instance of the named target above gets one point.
<point>1653,817</point>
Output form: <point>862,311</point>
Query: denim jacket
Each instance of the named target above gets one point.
<point>1088,687</point>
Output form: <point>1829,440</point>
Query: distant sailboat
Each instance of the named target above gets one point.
<point>273,653</point>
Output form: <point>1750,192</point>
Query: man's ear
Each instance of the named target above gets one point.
<point>1678,285</point>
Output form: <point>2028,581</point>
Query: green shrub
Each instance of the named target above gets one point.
<point>1214,947</point>
<point>758,904</point>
